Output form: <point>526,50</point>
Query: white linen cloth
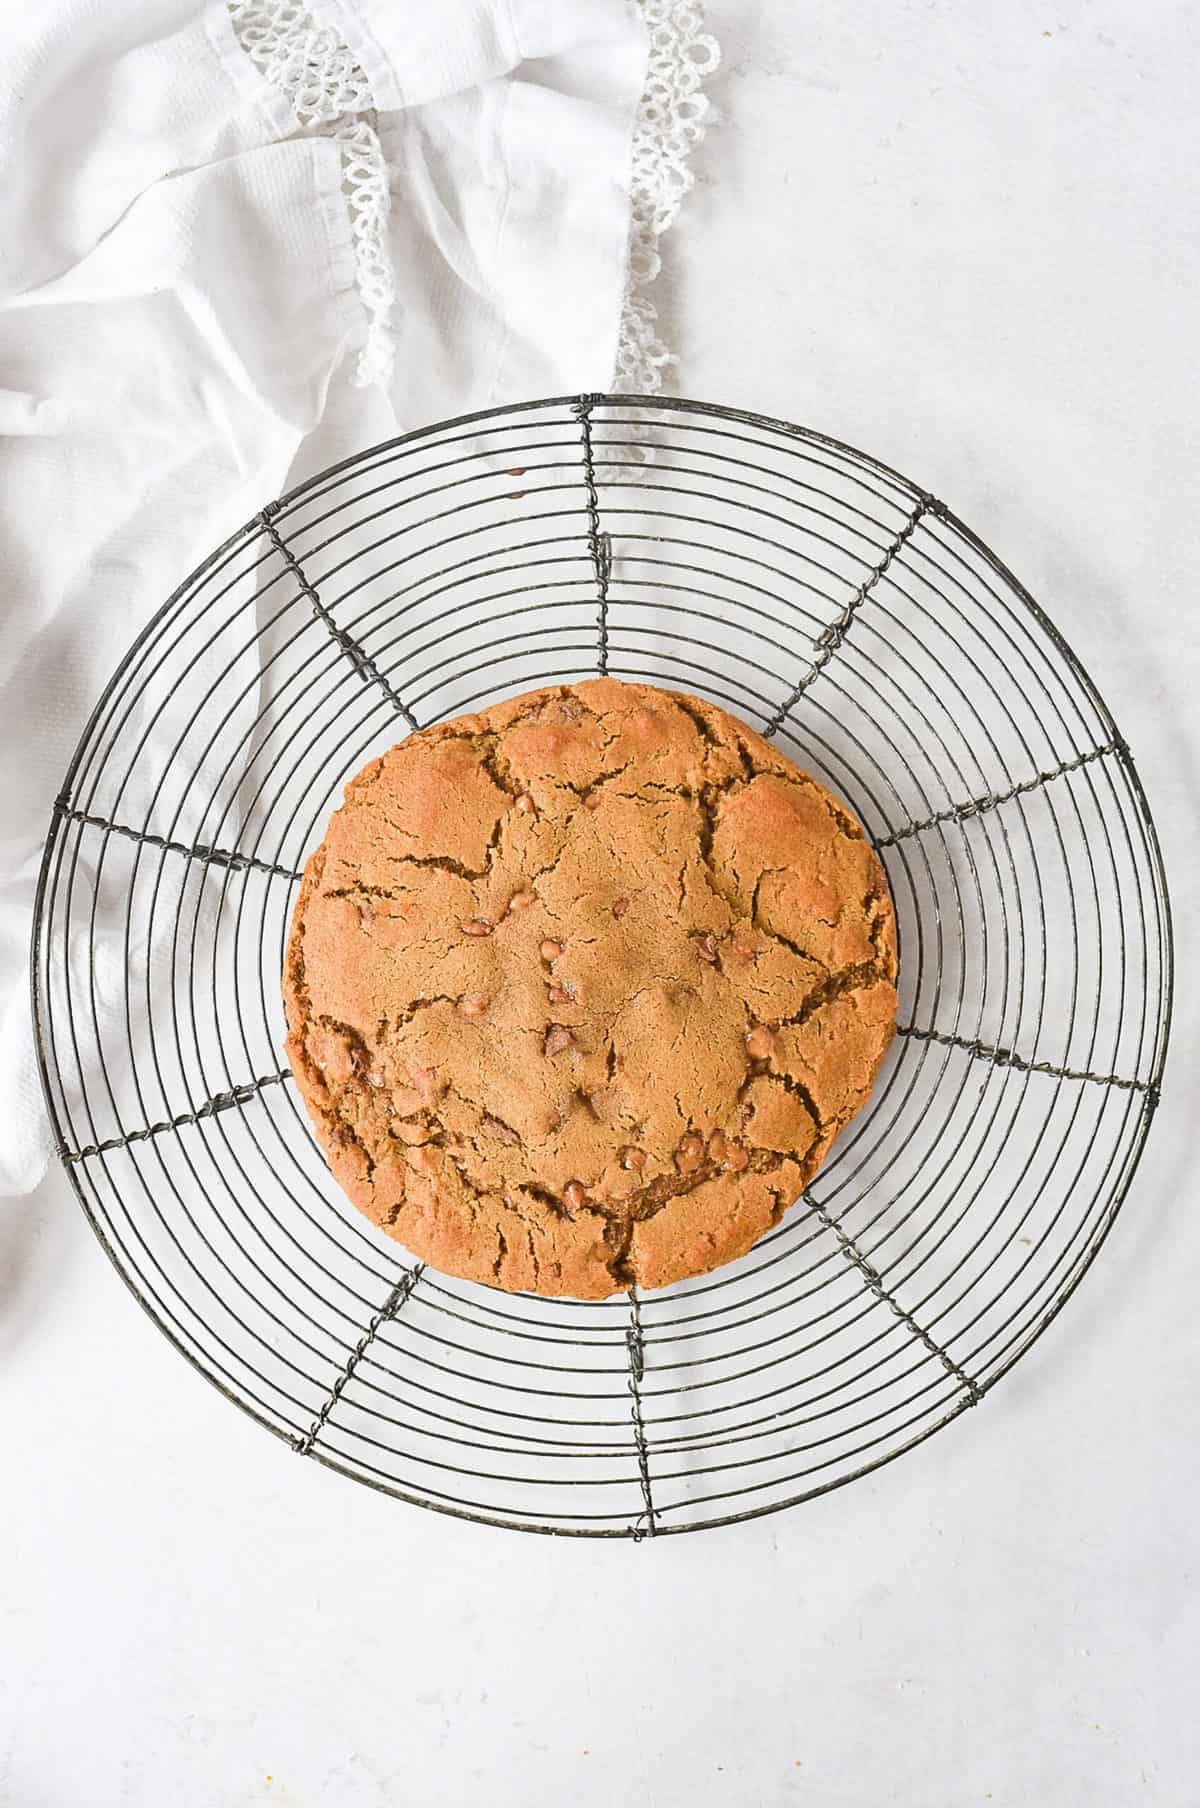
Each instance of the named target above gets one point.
<point>239,241</point>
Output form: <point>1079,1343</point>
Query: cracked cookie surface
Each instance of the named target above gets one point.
<point>581,989</point>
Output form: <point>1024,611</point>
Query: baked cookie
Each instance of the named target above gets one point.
<point>580,990</point>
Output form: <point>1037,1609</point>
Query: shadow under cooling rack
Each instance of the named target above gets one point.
<point>836,608</point>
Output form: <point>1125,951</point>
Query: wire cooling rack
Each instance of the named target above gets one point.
<point>839,609</point>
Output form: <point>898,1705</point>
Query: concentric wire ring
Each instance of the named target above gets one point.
<point>830,603</point>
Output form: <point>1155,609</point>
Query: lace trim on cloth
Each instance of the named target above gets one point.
<point>329,92</point>
<point>670,123</point>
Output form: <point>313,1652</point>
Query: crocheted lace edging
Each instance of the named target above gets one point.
<point>329,92</point>
<point>670,123</point>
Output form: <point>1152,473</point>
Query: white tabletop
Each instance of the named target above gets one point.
<point>959,238</point>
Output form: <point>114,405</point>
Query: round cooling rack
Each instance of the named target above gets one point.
<point>837,608</point>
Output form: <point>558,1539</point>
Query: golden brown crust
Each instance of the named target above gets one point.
<point>580,990</point>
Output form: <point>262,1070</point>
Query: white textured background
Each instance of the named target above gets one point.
<point>963,238</point>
